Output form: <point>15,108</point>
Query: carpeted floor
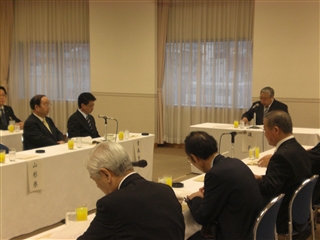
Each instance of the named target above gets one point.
<point>172,161</point>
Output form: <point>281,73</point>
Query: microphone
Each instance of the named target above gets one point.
<point>256,105</point>
<point>235,133</point>
<point>142,163</point>
<point>105,117</point>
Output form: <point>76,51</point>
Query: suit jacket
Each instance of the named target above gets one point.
<point>314,155</point>
<point>79,127</point>
<point>276,105</point>
<point>231,198</point>
<point>9,114</point>
<point>287,169</point>
<point>140,209</point>
<point>36,134</point>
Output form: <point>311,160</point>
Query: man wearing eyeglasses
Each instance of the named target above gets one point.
<point>230,198</point>
<point>39,130</point>
<point>266,104</point>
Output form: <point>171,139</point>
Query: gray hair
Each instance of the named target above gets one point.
<point>111,156</point>
<point>280,119</point>
<point>268,90</point>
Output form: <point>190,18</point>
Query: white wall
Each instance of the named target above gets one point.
<point>123,60</point>
<point>286,56</point>
<point>123,63</point>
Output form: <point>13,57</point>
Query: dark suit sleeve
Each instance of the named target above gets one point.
<point>33,133</point>
<point>278,173</point>
<point>102,226</point>
<point>55,131</point>
<point>249,114</point>
<point>73,127</point>
<point>10,114</point>
<point>207,210</point>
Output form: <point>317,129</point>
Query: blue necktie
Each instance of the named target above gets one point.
<point>3,119</point>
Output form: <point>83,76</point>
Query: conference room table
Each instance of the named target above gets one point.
<point>243,139</point>
<point>72,230</point>
<point>12,140</point>
<point>39,188</point>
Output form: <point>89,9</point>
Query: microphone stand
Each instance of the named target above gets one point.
<point>105,128</point>
<point>233,134</point>
<point>254,126</point>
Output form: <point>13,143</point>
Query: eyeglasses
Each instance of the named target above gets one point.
<point>189,161</point>
<point>46,104</point>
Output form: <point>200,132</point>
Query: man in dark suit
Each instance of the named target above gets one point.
<point>266,104</point>
<point>288,167</point>
<point>82,123</point>
<point>133,207</point>
<point>39,130</point>
<point>230,196</point>
<point>6,112</point>
<point>314,155</point>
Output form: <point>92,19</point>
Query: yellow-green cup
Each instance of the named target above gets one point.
<point>2,156</point>
<point>70,144</point>
<point>81,213</point>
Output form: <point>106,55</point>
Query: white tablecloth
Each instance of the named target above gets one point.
<point>11,139</point>
<point>66,185</point>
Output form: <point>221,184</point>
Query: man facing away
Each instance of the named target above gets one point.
<point>133,208</point>
<point>288,167</point>
<point>230,196</point>
<point>39,130</point>
<point>266,104</point>
<point>82,123</point>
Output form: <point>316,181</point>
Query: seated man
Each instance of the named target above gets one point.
<point>81,123</point>
<point>6,112</point>
<point>288,167</point>
<point>230,196</point>
<point>39,130</point>
<point>266,104</point>
<point>133,208</point>
<point>314,155</point>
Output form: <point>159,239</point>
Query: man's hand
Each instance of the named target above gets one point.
<point>264,161</point>
<point>245,120</point>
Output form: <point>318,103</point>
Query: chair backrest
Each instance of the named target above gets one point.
<point>301,202</point>
<point>264,227</point>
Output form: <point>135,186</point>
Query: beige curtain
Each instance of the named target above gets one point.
<point>208,64</point>
<point>162,14</point>
<point>6,17</point>
<point>50,55</point>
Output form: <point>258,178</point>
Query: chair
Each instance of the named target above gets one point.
<point>265,225</point>
<point>300,208</point>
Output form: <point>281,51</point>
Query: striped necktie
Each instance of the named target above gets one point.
<point>89,122</point>
<point>266,109</point>
<point>46,124</point>
<point>3,119</point>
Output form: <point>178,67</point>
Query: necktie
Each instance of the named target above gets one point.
<point>265,111</point>
<point>46,124</point>
<point>3,119</point>
<point>89,122</point>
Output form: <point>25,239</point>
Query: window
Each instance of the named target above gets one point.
<point>209,74</point>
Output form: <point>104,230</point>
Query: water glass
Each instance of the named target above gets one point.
<point>79,142</point>
<point>12,154</point>
<point>17,127</point>
<point>126,134</point>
